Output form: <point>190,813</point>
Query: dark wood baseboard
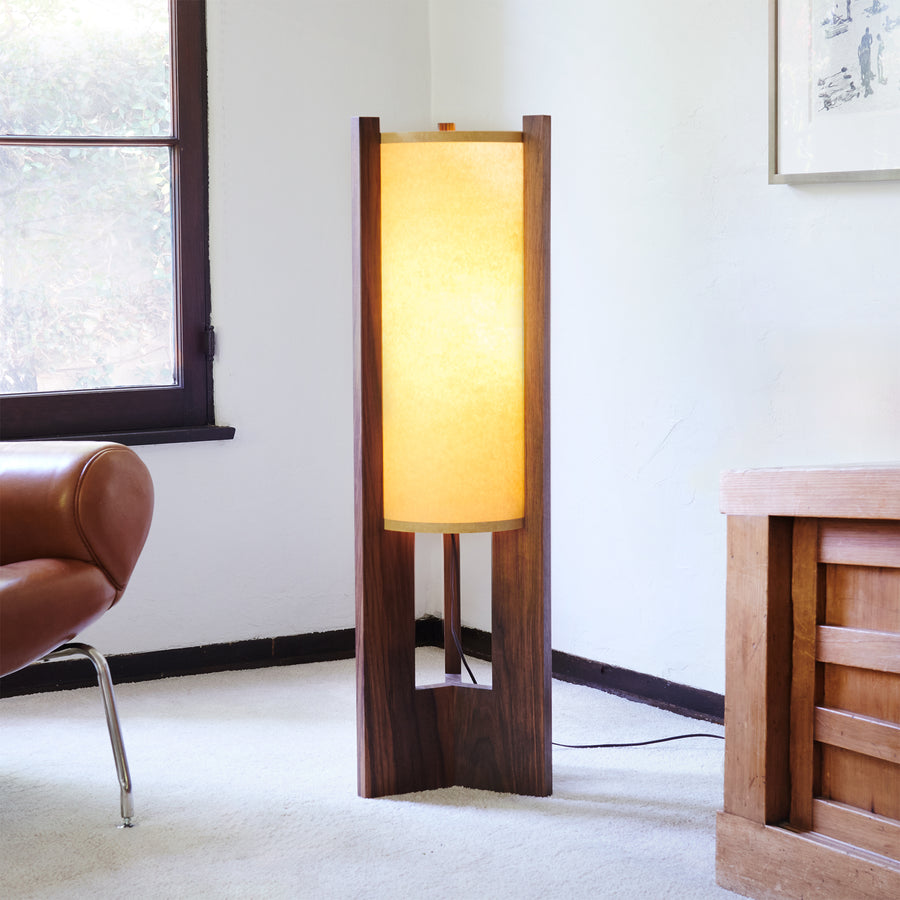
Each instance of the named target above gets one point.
<point>650,689</point>
<point>332,645</point>
<point>129,667</point>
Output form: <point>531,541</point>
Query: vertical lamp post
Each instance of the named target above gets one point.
<point>451,406</point>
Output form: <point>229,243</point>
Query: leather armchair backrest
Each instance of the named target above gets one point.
<point>85,500</point>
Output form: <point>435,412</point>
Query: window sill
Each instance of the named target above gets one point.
<point>154,435</point>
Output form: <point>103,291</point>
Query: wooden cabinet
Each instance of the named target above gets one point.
<point>812,690</point>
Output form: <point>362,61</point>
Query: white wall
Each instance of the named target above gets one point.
<point>702,319</point>
<point>254,537</point>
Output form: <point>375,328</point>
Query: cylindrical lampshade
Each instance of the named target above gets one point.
<point>452,239</point>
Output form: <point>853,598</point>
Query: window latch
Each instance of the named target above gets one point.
<point>210,335</point>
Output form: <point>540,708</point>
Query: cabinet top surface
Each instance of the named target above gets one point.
<point>854,492</point>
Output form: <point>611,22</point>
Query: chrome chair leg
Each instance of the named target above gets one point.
<point>126,801</point>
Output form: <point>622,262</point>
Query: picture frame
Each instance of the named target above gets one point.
<point>834,91</point>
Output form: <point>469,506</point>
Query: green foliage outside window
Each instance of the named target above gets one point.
<point>86,278</point>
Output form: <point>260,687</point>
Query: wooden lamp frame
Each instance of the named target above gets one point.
<point>408,738</point>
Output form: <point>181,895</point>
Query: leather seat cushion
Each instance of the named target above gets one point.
<point>44,603</point>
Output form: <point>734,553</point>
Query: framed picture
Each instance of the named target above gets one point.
<point>834,90</point>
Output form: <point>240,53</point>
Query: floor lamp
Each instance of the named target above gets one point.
<point>451,434</point>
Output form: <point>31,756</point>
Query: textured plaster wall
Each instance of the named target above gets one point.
<point>254,537</point>
<point>702,319</point>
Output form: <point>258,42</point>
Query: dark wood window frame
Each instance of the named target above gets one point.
<point>151,415</point>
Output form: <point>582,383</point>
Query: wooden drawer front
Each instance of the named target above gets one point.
<point>845,685</point>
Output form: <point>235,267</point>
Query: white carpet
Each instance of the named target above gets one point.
<point>245,787</point>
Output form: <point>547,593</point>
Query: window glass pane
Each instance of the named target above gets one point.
<point>86,288</point>
<point>85,67</point>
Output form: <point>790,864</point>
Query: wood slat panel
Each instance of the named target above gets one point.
<point>859,647</point>
<point>861,781</point>
<point>770,862</point>
<point>875,694</point>
<point>757,668</point>
<point>864,492</point>
<point>522,668</point>
<point>388,706</point>
<point>858,827</point>
<point>859,543</point>
<point>862,734</point>
<point>806,603</point>
<point>863,597</point>
<point>452,625</point>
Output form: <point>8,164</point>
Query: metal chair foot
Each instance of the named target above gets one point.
<point>126,801</point>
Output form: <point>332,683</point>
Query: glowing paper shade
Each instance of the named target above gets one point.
<point>452,269</point>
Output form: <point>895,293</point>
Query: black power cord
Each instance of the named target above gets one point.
<point>676,737</point>
<point>462,655</point>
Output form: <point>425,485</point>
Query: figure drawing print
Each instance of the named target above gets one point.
<point>855,56</point>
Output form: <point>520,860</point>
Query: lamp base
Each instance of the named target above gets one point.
<point>493,737</point>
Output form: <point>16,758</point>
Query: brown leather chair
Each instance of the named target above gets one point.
<point>74,516</point>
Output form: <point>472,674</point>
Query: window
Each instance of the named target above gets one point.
<point>104,284</point>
